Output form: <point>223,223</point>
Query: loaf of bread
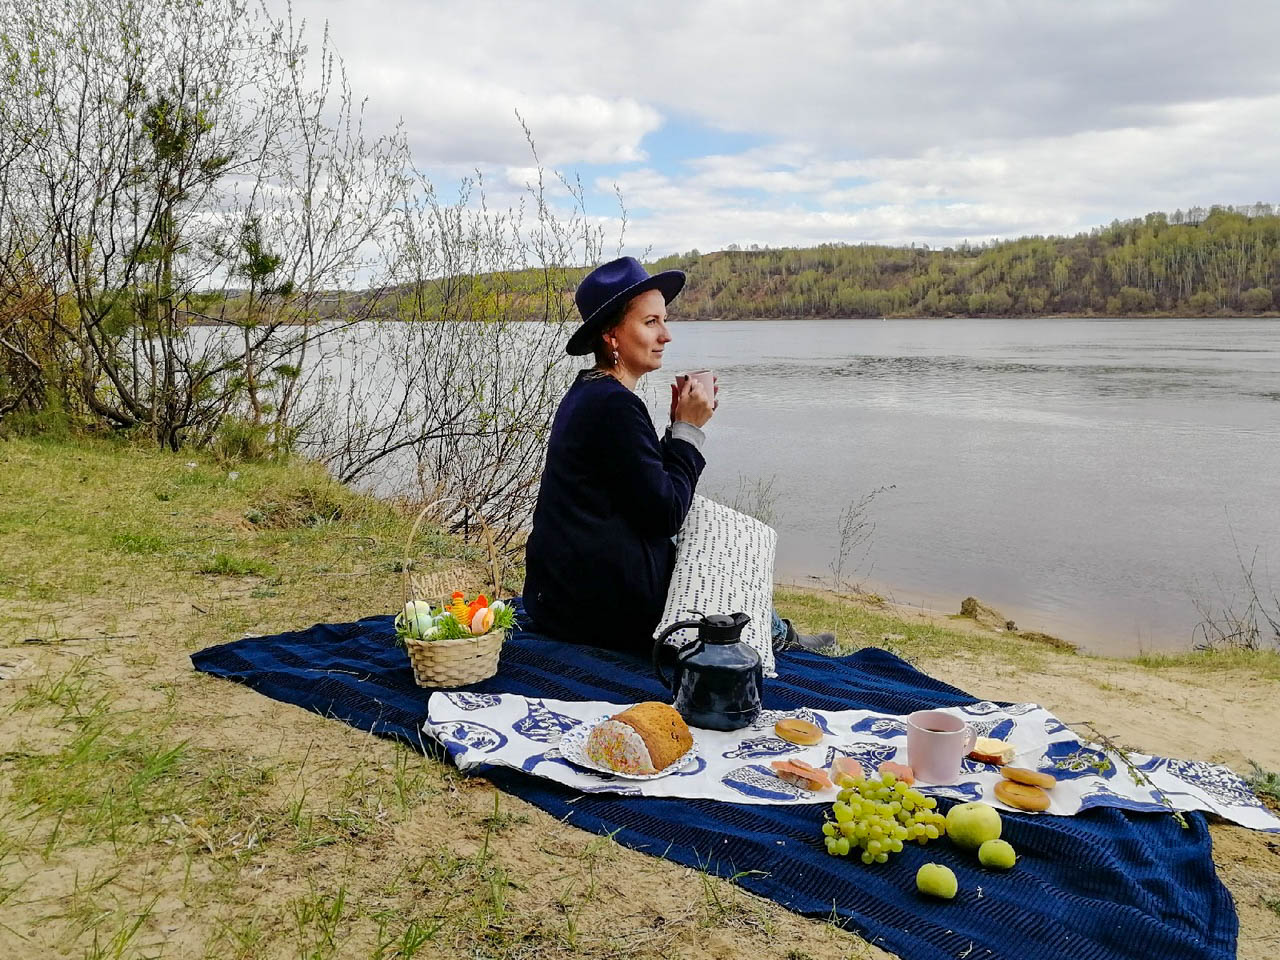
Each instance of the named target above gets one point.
<point>643,739</point>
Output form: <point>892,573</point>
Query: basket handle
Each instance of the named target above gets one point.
<point>413,532</point>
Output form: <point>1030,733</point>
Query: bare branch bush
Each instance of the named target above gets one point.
<point>755,496</point>
<point>168,165</point>
<point>856,529</point>
<point>452,394</point>
<point>1240,620</point>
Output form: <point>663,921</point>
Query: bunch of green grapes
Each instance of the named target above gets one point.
<point>878,816</point>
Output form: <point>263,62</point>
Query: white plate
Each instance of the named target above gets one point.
<point>573,747</point>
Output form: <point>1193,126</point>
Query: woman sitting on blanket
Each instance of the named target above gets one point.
<point>613,494</point>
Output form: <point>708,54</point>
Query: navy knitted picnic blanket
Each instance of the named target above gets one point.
<point>1107,884</point>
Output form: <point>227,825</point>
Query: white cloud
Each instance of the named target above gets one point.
<point>881,121</point>
<point>453,118</point>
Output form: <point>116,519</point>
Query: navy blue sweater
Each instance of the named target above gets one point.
<point>599,558</point>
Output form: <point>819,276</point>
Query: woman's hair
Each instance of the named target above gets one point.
<point>603,352</point>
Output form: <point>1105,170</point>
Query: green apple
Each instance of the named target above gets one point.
<point>998,854</point>
<point>970,825</point>
<point>937,881</point>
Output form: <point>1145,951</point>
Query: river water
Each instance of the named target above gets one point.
<point>1090,478</point>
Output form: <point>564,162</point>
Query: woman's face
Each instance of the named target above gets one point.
<point>642,334</point>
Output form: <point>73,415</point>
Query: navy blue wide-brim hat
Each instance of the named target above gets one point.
<point>608,287</point>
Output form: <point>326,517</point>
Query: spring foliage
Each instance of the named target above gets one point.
<point>1225,260</point>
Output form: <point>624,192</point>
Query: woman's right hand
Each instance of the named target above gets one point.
<point>692,405</point>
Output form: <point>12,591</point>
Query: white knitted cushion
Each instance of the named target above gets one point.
<point>724,564</point>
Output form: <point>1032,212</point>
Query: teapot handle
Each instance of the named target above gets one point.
<point>662,641</point>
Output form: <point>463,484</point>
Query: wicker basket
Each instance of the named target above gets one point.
<point>450,663</point>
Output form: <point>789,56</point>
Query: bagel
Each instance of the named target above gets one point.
<point>1033,778</point>
<point>1023,796</point>
<point>795,730</point>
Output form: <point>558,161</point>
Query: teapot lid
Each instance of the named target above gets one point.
<point>722,627</point>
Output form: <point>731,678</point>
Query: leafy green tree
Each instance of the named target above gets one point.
<point>1257,299</point>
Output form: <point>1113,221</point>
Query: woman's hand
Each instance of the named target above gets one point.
<point>690,403</point>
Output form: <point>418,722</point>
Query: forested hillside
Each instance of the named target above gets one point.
<point>1200,263</point>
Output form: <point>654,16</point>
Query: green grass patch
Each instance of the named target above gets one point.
<point>139,543</point>
<point>1260,663</point>
<point>235,565</point>
<point>110,781</point>
<point>101,517</point>
<point>1265,783</point>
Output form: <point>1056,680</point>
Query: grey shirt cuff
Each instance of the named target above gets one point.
<point>680,430</point>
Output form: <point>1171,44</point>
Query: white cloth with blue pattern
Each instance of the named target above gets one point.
<point>522,733</point>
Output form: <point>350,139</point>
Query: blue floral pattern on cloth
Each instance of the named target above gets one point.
<point>969,765</point>
<point>1104,796</point>
<point>761,747</point>
<point>997,729</point>
<point>1020,709</point>
<point>869,754</point>
<point>1071,759</point>
<point>885,727</point>
<point>981,708</point>
<point>694,769</point>
<point>1053,726</point>
<point>466,735</point>
<point>1217,781</point>
<point>957,791</point>
<point>554,756</point>
<point>473,701</point>
<point>544,725</point>
<point>756,781</point>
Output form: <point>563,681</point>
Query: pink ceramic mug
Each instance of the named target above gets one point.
<point>936,743</point>
<point>705,377</point>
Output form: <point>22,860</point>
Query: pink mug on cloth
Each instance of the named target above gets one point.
<point>936,743</point>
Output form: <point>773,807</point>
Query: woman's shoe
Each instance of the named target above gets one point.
<point>803,641</point>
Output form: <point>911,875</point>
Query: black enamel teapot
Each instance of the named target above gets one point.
<point>717,678</point>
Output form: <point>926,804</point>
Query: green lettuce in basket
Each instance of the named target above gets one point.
<point>456,621</point>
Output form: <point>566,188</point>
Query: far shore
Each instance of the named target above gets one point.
<point>1268,315</point>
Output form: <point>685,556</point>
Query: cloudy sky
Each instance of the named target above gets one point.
<point>790,123</point>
